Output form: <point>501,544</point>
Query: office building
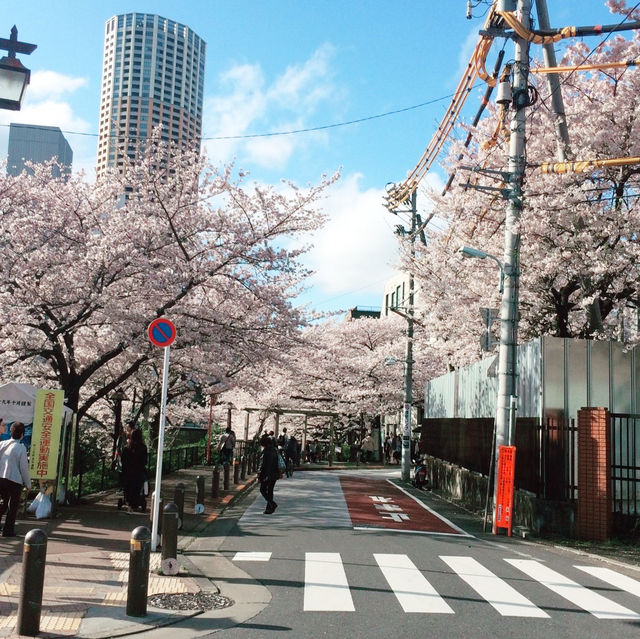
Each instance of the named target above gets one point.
<point>38,144</point>
<point>152,75</point>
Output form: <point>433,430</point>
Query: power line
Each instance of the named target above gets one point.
<point>248,136</point>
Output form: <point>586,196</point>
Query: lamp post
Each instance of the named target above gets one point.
<point>14,76</point>
<point>467,251</point>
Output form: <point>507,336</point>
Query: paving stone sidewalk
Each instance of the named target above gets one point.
<point>86,575</point>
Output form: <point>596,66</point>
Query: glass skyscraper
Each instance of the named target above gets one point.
<point>37,144</point>
<point>152,74</point>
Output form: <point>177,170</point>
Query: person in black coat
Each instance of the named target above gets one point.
<point>134,462</point>
<point>269,472</point>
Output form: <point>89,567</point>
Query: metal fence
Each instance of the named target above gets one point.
<point>625,466</point>
<point>104,475</point>
<point>94,477</point>
<point>546,452</point>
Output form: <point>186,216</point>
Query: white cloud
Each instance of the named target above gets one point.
<point>356,249</point>
<point>252,104</point>
<point>46,84</point>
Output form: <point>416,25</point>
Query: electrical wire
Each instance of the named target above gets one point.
<point>475,68</point>
<point>272,134</point>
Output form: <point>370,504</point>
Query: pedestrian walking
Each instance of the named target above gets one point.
<point>134,471</point>
<point>368,448</point>
<point>387,448</point>
<point>227,444</point>
<point>14,473</point>
<point>397,448</point>
<point>283,439</point>
<point>291,454</point>
<point>268,473</point>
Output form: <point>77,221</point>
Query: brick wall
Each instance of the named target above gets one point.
<point>594,517</point>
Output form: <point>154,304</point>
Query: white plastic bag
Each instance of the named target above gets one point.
<point>44,507</point>
<point>33,506</point>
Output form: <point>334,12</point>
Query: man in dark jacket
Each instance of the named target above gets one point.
<point>269,472</point>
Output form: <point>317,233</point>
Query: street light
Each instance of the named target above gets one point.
<point>14,76</point>
<point>467,251</point>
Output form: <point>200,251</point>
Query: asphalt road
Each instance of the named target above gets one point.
<point>328,580</point>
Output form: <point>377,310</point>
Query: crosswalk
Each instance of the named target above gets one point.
<point>326,586</point>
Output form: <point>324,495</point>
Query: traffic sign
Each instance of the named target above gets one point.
<point>161,332</point>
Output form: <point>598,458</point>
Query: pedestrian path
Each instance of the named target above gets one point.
<point>326,585</point>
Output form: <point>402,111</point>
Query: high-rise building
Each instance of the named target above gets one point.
<point>152,74</point>
<point>37,144</point>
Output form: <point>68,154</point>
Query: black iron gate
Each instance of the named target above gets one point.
<point>625,467</point>
<point>557,472</point>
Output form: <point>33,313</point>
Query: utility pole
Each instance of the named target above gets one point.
<point>405,471</point>
<point>553,80</point>
<point>507,363</point>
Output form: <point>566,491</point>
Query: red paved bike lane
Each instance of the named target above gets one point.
<point>380,504</point>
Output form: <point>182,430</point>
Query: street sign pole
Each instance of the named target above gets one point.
<point>162,333</point>
<point>163,405</point>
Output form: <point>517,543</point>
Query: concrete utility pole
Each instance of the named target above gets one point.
<point>507,364</point>
<point>553,80</point>
<point>405,471</point>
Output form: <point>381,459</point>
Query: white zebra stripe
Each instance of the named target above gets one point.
<point>414,592</point>
<point>325,583</point>
<point>503,597</point>
<point>252,556</point>
<point>592,602</point>
<point>613,578</point>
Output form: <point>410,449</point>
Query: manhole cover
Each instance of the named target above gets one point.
<point>190,601</point>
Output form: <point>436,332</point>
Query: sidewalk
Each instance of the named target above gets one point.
<point>86,575</point>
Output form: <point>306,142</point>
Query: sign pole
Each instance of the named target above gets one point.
<point>157,485</point>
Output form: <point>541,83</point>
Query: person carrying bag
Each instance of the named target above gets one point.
<point>14,473</point>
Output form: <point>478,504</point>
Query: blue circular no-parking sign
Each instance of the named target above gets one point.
<point>161,332</point>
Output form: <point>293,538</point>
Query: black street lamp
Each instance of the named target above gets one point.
<point>14,76</point>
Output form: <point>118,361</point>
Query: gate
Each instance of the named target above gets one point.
<point>625,467</point>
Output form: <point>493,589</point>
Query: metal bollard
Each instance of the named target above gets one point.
<point>215,482</point>
<point>236,471</point>
<point>200,490</point>
<point>33,563</point>
<point>169,552</point>
<point>225,477</point>
<point>243,468</point>
<point>178,500</point>
<point>139,555</point>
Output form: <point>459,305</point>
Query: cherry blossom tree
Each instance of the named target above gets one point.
<point>86,267</point>
<point>351,368</point>
<point>579,251</point>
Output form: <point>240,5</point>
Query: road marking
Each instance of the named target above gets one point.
<point>252,556</point>
<point>503,597</point>
<point>599,606</point>
<point>433,512</point>
<point>414,592</point>
<point>325,583</point>
<point>614,578</point>
<point>406,532</point>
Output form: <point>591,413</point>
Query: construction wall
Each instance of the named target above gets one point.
<point>556,377</point>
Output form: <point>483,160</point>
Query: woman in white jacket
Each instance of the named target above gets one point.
<point>14,473</point>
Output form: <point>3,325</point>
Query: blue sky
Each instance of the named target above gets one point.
<point>283,65</point>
